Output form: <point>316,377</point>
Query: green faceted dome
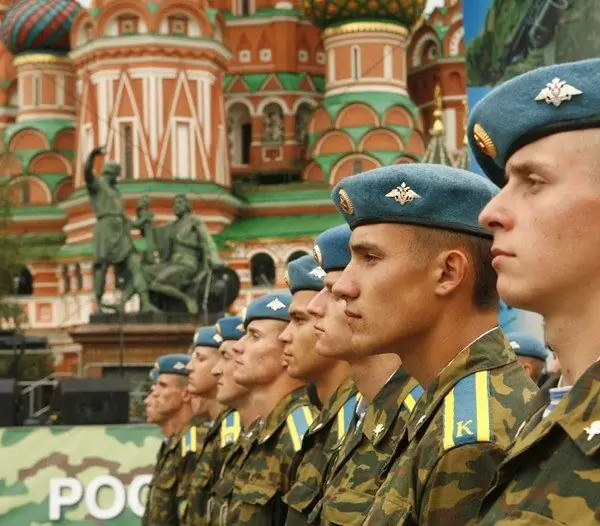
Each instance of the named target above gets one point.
<point>327,13</point>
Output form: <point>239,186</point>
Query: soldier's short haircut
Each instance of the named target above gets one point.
<point>430,241</point>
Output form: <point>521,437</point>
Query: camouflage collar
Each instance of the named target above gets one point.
<point>278,416</point>
<point>578,414</point>
<point>215,426</point>
<point>332,407</point>
<point>490,351</point>
<point>175,438</point>
<point>382,412</point>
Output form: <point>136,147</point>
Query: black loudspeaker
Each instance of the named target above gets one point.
<point>86,401</point>
<point>9,396</point>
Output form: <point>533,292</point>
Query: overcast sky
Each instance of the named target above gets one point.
<point>430,4</point>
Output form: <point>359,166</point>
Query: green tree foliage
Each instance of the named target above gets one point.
<point>13,253</point>
<point>12,257</point>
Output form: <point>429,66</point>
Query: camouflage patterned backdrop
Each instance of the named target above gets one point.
<point>75,476</point>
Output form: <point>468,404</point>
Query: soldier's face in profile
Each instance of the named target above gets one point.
<point>299,338</point>
<point>545,223</point>
<point>228,390</point>
<point>259,353</point>
<point>200,380</point>
<point>171,394</point>
<point>332,332</point>
<point>388,291</point>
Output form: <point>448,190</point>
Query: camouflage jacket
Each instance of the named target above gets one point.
<point>220,495</point>
<point>265,475</point>
<point>165,503</point>
<point>355,476</point>
<point>210,452</point>
<point>551,475</point>
<point>319,446</point>
<point>192,438</point>
<point>457,436</point>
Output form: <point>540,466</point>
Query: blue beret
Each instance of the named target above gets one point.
<point>332,248</point>
<point>304,274</point>
<point>172,364</point>
<point>207,337</point>
<point>273,306</point>
<point>539,103</point>
<point>230,328</point>
<point>430,195</point>
<point>525,344</point>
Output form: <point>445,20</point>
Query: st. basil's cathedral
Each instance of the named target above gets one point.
<point>252,108</point>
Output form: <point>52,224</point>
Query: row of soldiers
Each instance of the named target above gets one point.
<point>380,389</point>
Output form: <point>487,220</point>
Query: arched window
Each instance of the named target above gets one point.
<point>244,7</point>
<point>273,125</point>
<point>240,133</point>
<point>262,270</point>
<point>66,280</point>
<point>25,193</point>
<point>303,114</point>
<point>78,277</point>
<point>23,283</point>
<point>355,64</point>
<point>37,90</point>
<point>296,255</point>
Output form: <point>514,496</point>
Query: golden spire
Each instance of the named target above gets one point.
<point>465,119</point>
<point>438,125</point>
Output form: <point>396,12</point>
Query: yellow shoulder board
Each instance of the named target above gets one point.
<point>413,397</point>
<point>299,422</point>
<point>346,415</point>
<point>230,428</point>
<point>467,411</point>
<point>188,441</point>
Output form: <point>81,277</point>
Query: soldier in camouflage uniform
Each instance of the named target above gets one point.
<point>174,410</point>
<point>201,384</point>
<point>389,392</point>
<point>545,226</point>
<point>224,427</point>
<point>437,283</point>
<point>531,353</point>
<point>234,395</point>
<point>263,477</point>
<point>336,391</point>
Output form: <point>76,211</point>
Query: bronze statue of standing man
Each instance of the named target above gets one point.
<point>113,244</point>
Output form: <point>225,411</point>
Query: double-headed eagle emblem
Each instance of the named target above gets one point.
<point>557,92</point>
<point>403,194</point>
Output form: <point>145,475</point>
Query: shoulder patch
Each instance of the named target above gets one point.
<point>345,416</point>
<point>188,441</point>
<point>467,411</point>
<point>231,428</point>
<point>298,423</point>
<point>413,397</point>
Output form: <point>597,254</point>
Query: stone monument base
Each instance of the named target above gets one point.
<point>136,339</point>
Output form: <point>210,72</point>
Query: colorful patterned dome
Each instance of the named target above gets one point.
<point>39,25</point>
<point>326,13</point>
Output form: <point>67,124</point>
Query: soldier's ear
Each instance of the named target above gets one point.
<point>450,269</point>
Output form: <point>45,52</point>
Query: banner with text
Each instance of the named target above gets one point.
<point>75,476</point>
